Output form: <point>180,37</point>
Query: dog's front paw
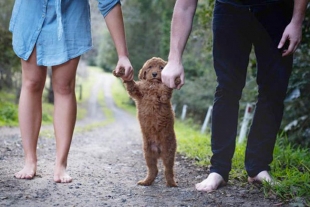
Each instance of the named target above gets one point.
<point>120,73</point>
<point>145,182</point>
<point>177,81</point>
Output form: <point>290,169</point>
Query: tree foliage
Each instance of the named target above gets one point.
<point>148,33</point>
<point>147,26</point>
<point>8,61</point>
<point>296,122</point>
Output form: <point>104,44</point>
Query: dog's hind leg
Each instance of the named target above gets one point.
<point>151,162</point>
<point>168,161</point>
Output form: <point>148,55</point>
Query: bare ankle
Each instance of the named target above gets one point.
<point>261,177</point>
<point>213,182</point>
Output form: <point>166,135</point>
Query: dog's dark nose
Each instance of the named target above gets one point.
<point>154,74</point>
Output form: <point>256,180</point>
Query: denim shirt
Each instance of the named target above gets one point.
<point>59,29</point>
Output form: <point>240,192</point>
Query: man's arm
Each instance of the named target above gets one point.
<point>115,24</point>
<point>181,26</point>
<point>293,31</point>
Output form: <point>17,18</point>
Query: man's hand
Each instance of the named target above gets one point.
<point>292,35</point>
<point>171,72</point>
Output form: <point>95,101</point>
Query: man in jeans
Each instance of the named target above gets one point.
<point>274,28</point>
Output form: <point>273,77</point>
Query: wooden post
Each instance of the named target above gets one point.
<point>248,115</point>
<point>206,121</point>
<point>184,112</point>
<point>174,107</point>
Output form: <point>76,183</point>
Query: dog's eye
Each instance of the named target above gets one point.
<point>150,67</point>
<point>161,67</point>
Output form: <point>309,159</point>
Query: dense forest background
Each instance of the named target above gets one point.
<point>147,25</point>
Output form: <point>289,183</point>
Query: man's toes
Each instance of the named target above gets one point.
<point>261,177</point>
<point>18,175</point>
<point>205,188</point>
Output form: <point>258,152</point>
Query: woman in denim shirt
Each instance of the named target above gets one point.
<point>56,33</point>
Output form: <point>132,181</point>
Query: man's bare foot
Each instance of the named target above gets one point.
<point>28,172</point>
<point>212,183</point>
<point>61,176</point>
<point>261,177</point>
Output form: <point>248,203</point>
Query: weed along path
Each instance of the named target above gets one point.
<point>106,162</point>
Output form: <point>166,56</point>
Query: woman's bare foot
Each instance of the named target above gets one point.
<point>28,172</point>
<point>61,176</point>
<point>261,177</point>
<point>212,183</point>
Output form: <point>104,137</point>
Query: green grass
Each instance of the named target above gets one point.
<point>291,166</point>
<point>8,110</point>
<point>121,97</point>
<point>47,113</point>
<point>192,143</point>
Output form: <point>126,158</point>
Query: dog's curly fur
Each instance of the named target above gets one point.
<point>156,118</point>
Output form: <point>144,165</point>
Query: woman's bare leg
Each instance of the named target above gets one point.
<point>64,115</point>
<point>30,113</point>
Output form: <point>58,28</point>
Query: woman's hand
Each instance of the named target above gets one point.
<point>124,62</point>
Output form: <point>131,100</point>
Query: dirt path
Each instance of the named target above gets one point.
<point>106,164</point>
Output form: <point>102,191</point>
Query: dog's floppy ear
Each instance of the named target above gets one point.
<point>142,74</point>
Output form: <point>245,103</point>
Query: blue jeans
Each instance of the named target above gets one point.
<point>235,31</point>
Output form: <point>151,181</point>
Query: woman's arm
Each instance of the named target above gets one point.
<point>115,24</point>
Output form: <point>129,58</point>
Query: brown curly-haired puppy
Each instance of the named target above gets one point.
<point>156,119</point>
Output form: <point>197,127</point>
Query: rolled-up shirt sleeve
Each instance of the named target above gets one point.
<point>105,6</point>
